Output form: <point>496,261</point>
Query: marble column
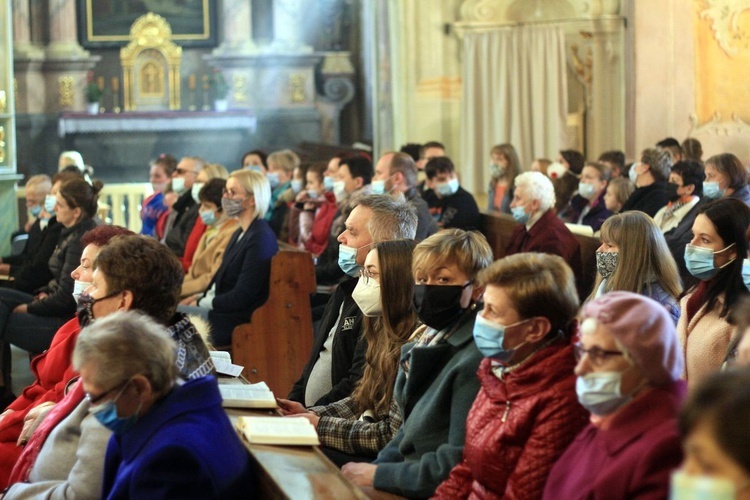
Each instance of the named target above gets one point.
<point>237,28</point>
<point>22,46</point>
<point>63,39</point>
<point>288,16</point>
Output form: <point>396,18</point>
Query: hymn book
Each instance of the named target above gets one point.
<point>278,430</point>
<point>247,396</point>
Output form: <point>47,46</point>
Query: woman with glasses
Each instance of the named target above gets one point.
<point>526,412</point>
<point>65,454</point>
<point>240,285</point>
<point>629,367</point>
<point>634,257</point>
<point>436,381</point>
<point>356,428</point>
<point>715,257</point>
<point>171,440</point>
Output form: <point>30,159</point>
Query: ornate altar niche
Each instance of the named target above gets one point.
<point>151,66</point>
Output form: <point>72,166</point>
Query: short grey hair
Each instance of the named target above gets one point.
<point>124,344</point>
<point>403,163</point>
<point>197,161</point>
<point>660,162</point>
<point>285,158</point>
<point>538,187</point>
<point>393,218</point>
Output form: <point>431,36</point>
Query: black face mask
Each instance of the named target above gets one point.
<point>438,306</point>
<point>672,192</point>
<point>85,308</point>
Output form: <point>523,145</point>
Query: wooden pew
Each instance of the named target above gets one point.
<point>275,345</point>
<point>498,228</point>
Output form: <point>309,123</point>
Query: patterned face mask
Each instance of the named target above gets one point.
<point>606,263</point>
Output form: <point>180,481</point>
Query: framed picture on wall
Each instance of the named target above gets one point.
<point>106,23</point>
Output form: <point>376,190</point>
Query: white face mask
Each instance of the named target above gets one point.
<point>686,487</point>
<point>197,186</point>
<point>367,297</point>
<point>79,287</point>
<point>178,185</point>
<point>339,190</point>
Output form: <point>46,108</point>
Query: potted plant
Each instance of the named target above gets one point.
<point>94,94</point>
<point>220,90</point>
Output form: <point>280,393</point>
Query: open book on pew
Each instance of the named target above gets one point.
<point>247,396</point>
<point>278,430</point>
<point>223,363</point>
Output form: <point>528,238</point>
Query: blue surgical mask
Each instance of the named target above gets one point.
<point>273,179</point>
<point>312,194</point>
<point>519,213</point>
<point>489,337</point>
<point>378,187</point>
<point>49,204</point>
<point>296,185</point>
<point>106,414</point>
<point>35,210</point>
<point>700,261</point>
<point>255,168</point>
<point>328,183</point>
<point>586,190</point>
<point>348,260</point>
<point>178,185</point>
<point>208,217</point>
<point>197,186</point>
<point>712,191</point>
<point>447,188</point>
<point>601,393</point>
<point>746,273</point>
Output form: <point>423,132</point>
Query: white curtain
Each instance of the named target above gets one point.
<point>515,91</point>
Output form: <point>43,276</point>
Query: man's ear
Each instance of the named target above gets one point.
<point>126,302</point>
<point>359,182</point>
<point>690,188</point>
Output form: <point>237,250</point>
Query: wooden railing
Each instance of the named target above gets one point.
<point>119,204</point>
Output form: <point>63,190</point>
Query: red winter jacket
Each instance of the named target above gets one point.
<point>52,371</point>
<point>517,429</point>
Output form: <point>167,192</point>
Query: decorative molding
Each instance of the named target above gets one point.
<point>482,11</point>
<point>65,91</point>
<point>239,88</point>
<point>717,127</point>
<point>724,17</point>
<point>339,90</point>
<point>297,82</point>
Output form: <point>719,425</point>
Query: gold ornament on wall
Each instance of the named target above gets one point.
<point>239,88</point>
<point>2,144</point>
<point>724,15</point>
<point>297,87</point>
<point>65,91</point>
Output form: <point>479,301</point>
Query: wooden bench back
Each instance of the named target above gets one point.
<point>498,228</point>
<point>276,344</point>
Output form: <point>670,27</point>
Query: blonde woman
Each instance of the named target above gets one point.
<point>356,428</point>
<point>241,284</point>
<point>618,192</point>
<point>634,257</point>
<point>281,165</point>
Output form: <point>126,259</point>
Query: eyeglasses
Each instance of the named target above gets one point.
<point>95,399</point>
<point>597,355</point>
<point>368,275</point>
<point>182,171</point>
<point>230,193</point>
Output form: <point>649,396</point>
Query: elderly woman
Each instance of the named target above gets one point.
<point>714,428</point>
<point>726,177</point>
<point>587,207</point>
<point>52,370</point>
<point>526,412</point>
<point>629,379</point>
<point>715,257</point>
<point>436,381</point>
<point>132,273</point>
<point>30,322</point>
<point>241,284</point>
<point>634,257</point>
<point>169,440</point>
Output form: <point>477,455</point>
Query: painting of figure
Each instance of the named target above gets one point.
<point>106,23</point>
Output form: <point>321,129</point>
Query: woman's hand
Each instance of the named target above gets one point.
<point>5,269</point>
<point>301,196</point>
<point>21,309</point>
<point>288,407</point>
<point>32,420</point>
<point>360,474</point>
<point>41,295</point>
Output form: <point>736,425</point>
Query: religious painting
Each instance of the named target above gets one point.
<point>106,23</point>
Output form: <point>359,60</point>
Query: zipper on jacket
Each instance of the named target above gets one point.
<point>505,413</point>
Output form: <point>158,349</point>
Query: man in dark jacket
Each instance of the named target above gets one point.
<point>338,355</point>
<point>397,173</point>
<point>650,178</point>
<point>451,205</point>
<point>185,208</point>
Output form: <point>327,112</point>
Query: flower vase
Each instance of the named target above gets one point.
<point>92,108</point>
<point>221,105</point>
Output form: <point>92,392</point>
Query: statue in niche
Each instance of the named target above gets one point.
<point>152,79</point>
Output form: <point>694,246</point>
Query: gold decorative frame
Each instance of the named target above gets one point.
<point>151,34</point>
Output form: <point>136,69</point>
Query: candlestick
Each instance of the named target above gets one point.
<point>191,82</point>
<point>115,84</point>
<point>206,105</point>
<point>100,82</point>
